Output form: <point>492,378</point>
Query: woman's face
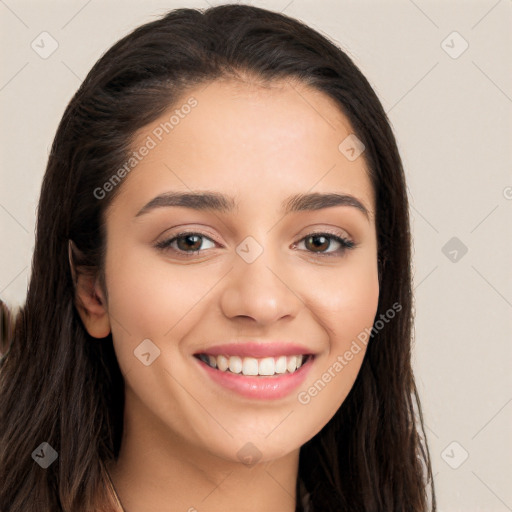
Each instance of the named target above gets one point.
<point>251,273</point>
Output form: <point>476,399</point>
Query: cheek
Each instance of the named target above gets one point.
<point>148,297</point>
<point>136,293</point>
<point>346,299</point>
<point>345,306</point>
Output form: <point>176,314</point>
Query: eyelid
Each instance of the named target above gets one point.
<point>188,230</point>
<point>329,231</point>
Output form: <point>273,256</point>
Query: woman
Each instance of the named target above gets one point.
<point>219,314</point>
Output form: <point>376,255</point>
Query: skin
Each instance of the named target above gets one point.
<point>182,432</point>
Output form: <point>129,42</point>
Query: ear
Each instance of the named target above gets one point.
<point>89,299</point>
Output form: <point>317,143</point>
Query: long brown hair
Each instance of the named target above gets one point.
<point>60,386</point>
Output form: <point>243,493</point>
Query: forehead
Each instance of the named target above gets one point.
<point>251,142</point>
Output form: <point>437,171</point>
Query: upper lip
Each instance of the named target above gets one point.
<point>256,349</point>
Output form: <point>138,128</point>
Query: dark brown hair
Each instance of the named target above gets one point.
<point>58,385</point>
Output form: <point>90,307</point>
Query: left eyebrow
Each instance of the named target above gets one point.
<point>214,201</point>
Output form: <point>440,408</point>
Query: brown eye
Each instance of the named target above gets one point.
<point>190,242</point>
<point>320,243</point>
<point>185,243</point>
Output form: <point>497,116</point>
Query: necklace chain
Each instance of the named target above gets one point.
<point>114,492</point>
<point>118,501</point>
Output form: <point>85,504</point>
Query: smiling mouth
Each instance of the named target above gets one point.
<point>253,366</point>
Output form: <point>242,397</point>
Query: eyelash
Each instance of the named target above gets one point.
<point>345,244</point>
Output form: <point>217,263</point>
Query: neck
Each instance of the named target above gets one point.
<point>156,470</point>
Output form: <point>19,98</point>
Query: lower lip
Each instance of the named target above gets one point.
<point>264,388</point>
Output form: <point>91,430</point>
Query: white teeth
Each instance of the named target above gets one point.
<point>251,366</point>
<point>280,366</point>
<point>222,363</point>
<point>235,364</point>
<point>291,363</point>
<point>266,366</point>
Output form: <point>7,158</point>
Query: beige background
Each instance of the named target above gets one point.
<point>452,118</point>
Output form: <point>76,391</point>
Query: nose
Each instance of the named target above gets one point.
<point>261,291</point>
